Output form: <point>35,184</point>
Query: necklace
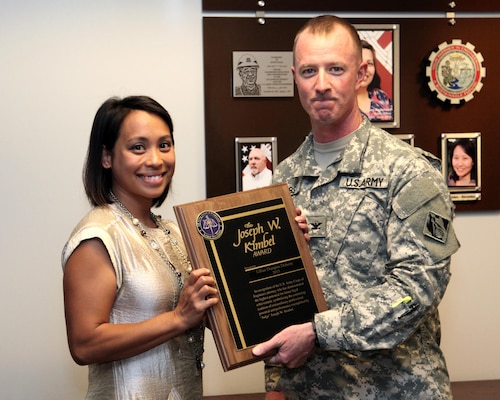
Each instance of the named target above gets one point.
<point>195,335</point>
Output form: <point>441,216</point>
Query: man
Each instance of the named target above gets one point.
<point>258,174</point>
<point>247,69</point>
<point>381,237</point>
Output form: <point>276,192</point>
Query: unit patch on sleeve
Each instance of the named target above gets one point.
<point>436,227</point>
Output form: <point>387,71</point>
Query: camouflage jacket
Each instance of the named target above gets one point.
<point>381,238</point>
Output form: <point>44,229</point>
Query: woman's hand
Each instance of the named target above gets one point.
<point>198,295</point>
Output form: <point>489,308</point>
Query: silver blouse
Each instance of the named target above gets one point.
<point>146,287</point>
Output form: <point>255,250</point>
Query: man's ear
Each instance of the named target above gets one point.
<point>363,67</point>
<point>106,158</point>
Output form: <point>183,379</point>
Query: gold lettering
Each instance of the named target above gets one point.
<point>261,244</point>
<point>249,232</point>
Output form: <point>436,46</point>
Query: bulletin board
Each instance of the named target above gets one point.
<point>422,114</point>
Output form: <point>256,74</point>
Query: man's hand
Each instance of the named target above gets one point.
<point>302,224</point>
<point>294,345</point>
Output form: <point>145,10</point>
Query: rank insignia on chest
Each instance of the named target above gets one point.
<point>317,226</point>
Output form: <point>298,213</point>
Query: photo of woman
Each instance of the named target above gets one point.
<point>372,100</point>
<point>463,162</point>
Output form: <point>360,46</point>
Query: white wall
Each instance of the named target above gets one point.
<point>58,61</point>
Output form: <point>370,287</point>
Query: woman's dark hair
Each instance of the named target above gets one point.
<point>470,149</point>
<point>106,127</point>
<point>375,83</point>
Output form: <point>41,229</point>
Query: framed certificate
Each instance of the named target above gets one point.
<point>261,262</point>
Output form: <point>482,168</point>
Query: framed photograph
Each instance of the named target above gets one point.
<point>262,73</point>
<point>461,164</point>
<point>406,137</point>
<point>255,161</point>
<point>378,97</point>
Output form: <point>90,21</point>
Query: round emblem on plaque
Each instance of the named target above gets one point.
<point>209,225</point>
<point>455,71</point>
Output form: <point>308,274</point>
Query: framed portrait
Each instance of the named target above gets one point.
<point>255,159</point>
<point>262,74</point>
<point>461,164</point>
<point>406,137</point>
<point>378,97</point>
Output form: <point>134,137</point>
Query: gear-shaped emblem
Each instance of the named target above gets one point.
<point>455,71</point>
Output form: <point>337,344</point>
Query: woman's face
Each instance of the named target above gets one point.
<point>143,158</point>
<point>462,163</point>
<point>369,58</point>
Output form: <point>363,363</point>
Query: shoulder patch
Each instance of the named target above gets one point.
<point>436,227</point>
<point>428,214</point>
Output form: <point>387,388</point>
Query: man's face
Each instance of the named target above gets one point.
<point>256,161</point>
<point>327,71</point>
<point>248,75</point>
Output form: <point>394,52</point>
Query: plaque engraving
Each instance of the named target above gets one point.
<point>261,262</point>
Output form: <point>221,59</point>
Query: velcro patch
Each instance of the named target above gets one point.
<point>317,226</point>
<point>436,227</point>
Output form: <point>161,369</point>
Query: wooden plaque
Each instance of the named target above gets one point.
<point>261,262</point>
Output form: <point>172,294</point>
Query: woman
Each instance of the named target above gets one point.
<point>134,309</point>
<point>463,163</point>
<point>373,101</point>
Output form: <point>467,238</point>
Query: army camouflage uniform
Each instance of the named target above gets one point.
<point>381,239</point>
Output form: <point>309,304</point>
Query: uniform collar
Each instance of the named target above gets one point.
<point>352,160</point>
